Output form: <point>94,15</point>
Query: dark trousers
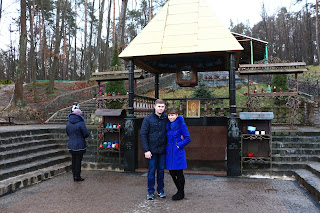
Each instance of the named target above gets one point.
<point>76,163</point>
<point>178,178</point>
<point>156,163</point>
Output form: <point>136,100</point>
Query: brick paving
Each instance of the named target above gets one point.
<point>114,192</point>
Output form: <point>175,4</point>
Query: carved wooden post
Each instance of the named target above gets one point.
<point>156,85</point>
<point>233,155</point>
<point>213,109</point>
<point>130,133</point>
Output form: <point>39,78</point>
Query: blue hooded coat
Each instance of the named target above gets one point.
<point>77,132</point>
<point>176,157</point>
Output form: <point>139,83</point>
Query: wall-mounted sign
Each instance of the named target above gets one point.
<point>193,109</point>
<point>187,76</point>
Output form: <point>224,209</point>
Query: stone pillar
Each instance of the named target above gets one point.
<point>233,152</point>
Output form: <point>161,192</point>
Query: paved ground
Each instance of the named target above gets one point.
<point>125,192</point>
<point>53,126</point>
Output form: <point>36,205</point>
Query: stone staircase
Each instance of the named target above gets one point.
<point>295,154</point>
<point>300,153</point>
<point>30,156</point>
<point>88,109</point>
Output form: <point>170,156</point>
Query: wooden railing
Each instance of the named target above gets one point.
<point>209,107</point>
<point>143,105</point>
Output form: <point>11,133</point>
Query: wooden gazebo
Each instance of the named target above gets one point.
<point>185,37</point>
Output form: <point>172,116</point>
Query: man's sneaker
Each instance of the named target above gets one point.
<point>150,197</point>
<point>162,194</point>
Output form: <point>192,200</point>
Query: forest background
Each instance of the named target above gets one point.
<point>53,45</point>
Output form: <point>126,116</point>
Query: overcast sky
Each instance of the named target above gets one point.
<point>246,11</point>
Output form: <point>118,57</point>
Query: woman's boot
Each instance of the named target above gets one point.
<point>180,185</point>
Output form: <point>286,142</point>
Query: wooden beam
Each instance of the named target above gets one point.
<point>272,65</point>
<point>266,71</point>
<point>273,94</point>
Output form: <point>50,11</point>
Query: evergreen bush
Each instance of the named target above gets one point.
<point>115,86</point>
<point>280,81</point>
<point>202,91</point>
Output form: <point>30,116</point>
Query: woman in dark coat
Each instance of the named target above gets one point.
<point>77,132</point>
<point>177,138</point>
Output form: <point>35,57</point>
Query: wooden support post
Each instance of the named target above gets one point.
<point>156,86</point>
<point>233,154</point>
<point>131,88</point>
<point>130,132</point>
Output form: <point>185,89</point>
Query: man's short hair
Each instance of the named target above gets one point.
<point>159,101</point>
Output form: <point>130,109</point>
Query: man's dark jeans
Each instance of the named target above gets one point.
<point>157,162</point>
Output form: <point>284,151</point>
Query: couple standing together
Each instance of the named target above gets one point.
<point>163,139</point>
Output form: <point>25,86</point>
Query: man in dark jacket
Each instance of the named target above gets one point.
<point>77,132</point>
<point>153,139</point>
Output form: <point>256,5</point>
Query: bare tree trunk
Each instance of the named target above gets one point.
<point>64,61</point>
<point>114,23</point>
<point>317,31</point>
<point>98,58</point>
<point>75,41</point>
<point>85,40</point>
<point>90,39</point>
<point>107,61</point>
<point>20,75</point>
<point>58,31</point>
<point>122,23</point>
<point>0,8</point>
<point>150,10</point>
<point>32,54</point>
<point>43,46</point>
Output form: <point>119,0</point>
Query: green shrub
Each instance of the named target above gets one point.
<point>6,81</point>
<point>202,91</point>
<point>280,81</point>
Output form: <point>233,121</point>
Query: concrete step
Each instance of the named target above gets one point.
<point>295,151</point>
<point>292,158</point>
<point>309,181</point>
<point>314,167</point>
<point>288,165</point>
<point>24,139</point>
<point>299,138</point>
<point>276,145</point>
<point>24,144</point>
<point>102,166</point>
<point>27,150</point>
<point>23,134</point>
<point>32,166</point>
<point>21,160</point>
<point>11,184</point>
<point>84,111</point>
<point>295,133</point>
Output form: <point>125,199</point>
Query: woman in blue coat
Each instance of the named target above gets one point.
<point>77,132</point>
<point>177,138</point>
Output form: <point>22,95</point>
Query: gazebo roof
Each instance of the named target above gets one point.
<point>181,28</point>
<point>259,48</point>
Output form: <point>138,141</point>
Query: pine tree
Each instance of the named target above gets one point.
<point>115,86</point>
<point>280,81</point>
<point>202,91</point>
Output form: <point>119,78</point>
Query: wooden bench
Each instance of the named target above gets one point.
<point>8,120</point>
